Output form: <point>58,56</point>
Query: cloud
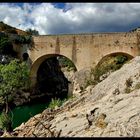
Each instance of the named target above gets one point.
<point>73,17</point>
<point>14,15</point>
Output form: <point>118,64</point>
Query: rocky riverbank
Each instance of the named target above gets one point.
<point>110,109</point>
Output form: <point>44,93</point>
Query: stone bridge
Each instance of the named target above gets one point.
<point>84,50</point>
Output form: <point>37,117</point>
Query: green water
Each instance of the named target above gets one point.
<point>23,113</point>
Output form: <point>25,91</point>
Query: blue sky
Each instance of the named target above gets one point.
<point>65,18</point>
<point>59,5</point>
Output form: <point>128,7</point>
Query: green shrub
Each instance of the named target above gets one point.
<point>109,64</point>
<point>121,59</point>
<point>5,121</point>
<point>98,71</point>
<point>32,32</point>
<point>22,39</point>
<point>64,62</point>
<point>14,76</point>
<point>56,103</point>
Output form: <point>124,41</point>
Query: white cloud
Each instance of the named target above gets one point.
<point>74,18</point>
<point>12,15</point>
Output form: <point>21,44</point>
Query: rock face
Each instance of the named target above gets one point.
<point>79,80</point>
<point>110,109</point>
<point>21,97</point>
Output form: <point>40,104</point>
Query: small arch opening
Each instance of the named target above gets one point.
<point>109,64</point>
<point>25,56</point>
<point>118,58</point>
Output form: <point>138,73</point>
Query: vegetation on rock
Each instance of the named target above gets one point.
<point>11,30</point>
<point>5,121</point>
<point>13,77</point>
<point>6,47</point>
<point>56,102</point>
<point>65,62</point>
<point>106,66</point>
<point>6,28</point>
<point>22,39</point>
<point>32,32</point>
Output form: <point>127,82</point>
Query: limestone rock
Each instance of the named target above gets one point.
<point>114,113</point>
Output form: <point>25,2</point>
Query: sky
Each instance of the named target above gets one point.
<point>71,18</point>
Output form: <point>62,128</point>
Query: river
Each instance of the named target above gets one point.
<point>23,113</point>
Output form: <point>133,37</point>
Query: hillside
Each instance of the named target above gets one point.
<point>9,29</point>
<point>110,109</point>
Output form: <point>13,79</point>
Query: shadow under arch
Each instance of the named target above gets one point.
<point>47,76</point>
<point>129,56</point>
<point>38,61</point>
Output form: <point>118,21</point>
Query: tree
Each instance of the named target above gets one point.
<point>32,32</point>
<point>13,76</point>
<point>5,45</point>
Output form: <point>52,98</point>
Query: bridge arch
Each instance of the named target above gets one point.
<point>37,63</point>
<point>129,56</point>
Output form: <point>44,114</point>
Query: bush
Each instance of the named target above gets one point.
<point>109,64</point>
<point>32,32</point>
<point>65,62</point>
<point>121,59</point>
<point>14,76</point>
<point>56,103</point>
<point>5,121</point>
<point>23,39</point>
